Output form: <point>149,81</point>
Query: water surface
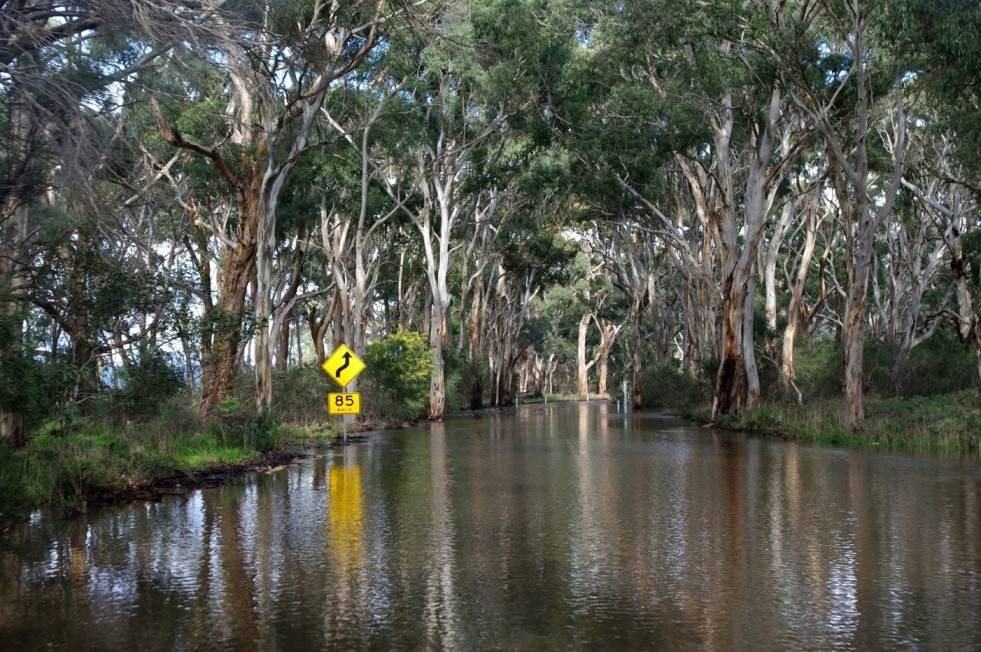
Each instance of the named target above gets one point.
<point>556,527</point>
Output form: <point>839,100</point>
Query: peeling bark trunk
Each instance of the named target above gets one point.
<point>283,346</point>
<point>608,336</point>
<point>730,383</point>
<point>787,371</point>
<point>219,367</point>
<point>436,409</point>
<point>854,338</point>
<point>582,367</point>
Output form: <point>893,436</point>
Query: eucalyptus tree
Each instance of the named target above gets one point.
<point>533,256</point>
<point>466,90</point>
<point>59,62</point>
<point>591,299</point>
<point>797,266</point>
<point>934,41</point>
<point>358,201</point>
<point>280,62</point>
<point>935,181</point>
<point>906,272</point>
<point>551,349</point>
<point>453,124</point>
<point>632,261</point>
<point>837,71</point>
<point>690,88</point>
<point>743,103</point>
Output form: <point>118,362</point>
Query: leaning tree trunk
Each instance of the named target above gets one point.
<point>221,365</point>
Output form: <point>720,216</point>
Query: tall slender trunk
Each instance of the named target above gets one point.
<point>283,346</point>
<point>753,392</point>
<point>636,359</point>
<point>854,339</point>
<point>263,310</point>
<point>787,371</point>
<point>770,276</point>
<point>582,367</point>
<point>737,382</point>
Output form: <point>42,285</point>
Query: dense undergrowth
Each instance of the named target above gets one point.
<point>926,399</point>
<point>68,461</point>
<point>117,441</point>
<point>948,422</point>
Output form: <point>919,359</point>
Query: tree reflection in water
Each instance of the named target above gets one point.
<point>544,527</point>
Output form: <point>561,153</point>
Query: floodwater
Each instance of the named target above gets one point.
<point>554,527</point>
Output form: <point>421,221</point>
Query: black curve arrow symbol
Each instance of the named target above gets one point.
<point>347,363</point>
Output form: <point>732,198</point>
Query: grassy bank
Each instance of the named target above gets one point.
<point>924,399</point>
<point>67,466</point>
<point>944,422</point>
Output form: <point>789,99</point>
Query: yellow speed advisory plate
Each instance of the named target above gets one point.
<point>344,403</point>
<point>343,365</point>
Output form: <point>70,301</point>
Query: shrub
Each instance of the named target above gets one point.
<point>239,424</point>
<point>300,395</point>
<point>669,387</point>
<point>466,380</point>
<point>940,365</point>
<point>397,375</point>
<point>820,366</point>
<point>147,386</point>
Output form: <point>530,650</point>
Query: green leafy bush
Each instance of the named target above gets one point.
<point>397,376</point>
<point>938,366</point>
<point>820,367</point>
<point>30,388</point>
<point>466,380</point>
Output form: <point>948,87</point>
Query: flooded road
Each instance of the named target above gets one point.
<point>557,527</point>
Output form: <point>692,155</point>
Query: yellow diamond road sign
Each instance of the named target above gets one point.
<point>343,365</point>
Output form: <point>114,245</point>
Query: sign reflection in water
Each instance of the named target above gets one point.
<point>345,537</point>
<point>560,527</point>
